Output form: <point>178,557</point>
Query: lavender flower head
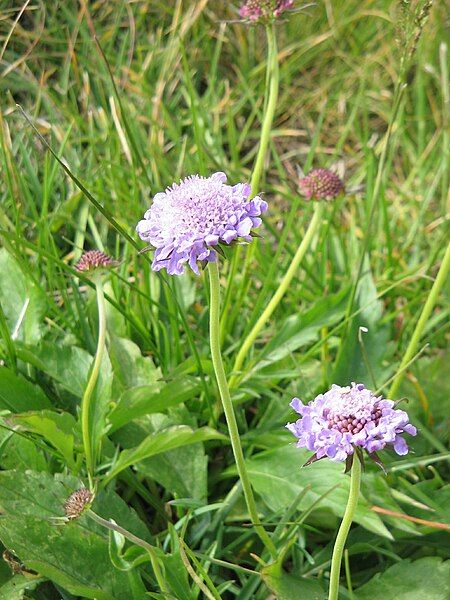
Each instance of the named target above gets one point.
<point>343,418</point>
<point>264,10</point>
<point>185,222</point>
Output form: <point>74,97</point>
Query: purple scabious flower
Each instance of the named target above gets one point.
<point>264,10</point>
<point>345,418</point>
<point>185,222</point>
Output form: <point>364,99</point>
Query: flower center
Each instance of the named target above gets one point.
<point>199,207</point>
<point>351,423</point>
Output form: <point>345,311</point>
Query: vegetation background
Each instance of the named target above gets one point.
<point>179,90</point>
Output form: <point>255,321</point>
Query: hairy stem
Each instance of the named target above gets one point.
<point>423,319</point>
<point>278,295</point>
<point>338,550</point>
<point>214,331</point>
<point>272,85</point>
<point>135,540</point>
<point>271,98</point>
<point>93,377</point>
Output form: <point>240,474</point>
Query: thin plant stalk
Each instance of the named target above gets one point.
<point>271,98</point>
<point>272,85</point>
<point>314,225</point>
<point>421,323</point>
<point>139,542</point>
<point>273,82</point>
<point>86,402</point>
<point>339,544</point>
<point>214,331</point>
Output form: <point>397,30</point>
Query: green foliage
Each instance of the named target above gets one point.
<point>424,578</point>
<point>289,587</point>
<point>278,478</point>
<point>73,555</point>
<point>166,90</point>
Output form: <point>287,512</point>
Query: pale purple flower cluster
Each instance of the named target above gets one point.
<point>344,417</point>
<point>264,10</point>
<point>186,221</point>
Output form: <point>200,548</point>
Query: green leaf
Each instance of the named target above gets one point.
<point>353,365</point>
<point>174,570</point>
<point>378,490</point>
<point>19,293</point>
<point>15,588</point>
<point>130,367</point>
<point>70,367</point>
<point>173,437</point>
<point>56,428</point>
<point>182,471</point>
<point>17,452</point>
<point>288,587</point>
<point>17,394</point>
<point>67,365</point>
<point>155,398</point>
<point>278,478</point>
<point>427,578</point>
<point>74,556</point>
<point>301,329</point>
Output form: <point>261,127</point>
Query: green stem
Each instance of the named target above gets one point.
<point>214,331</point>
<point>338,550</point>
<point>278,295</point>
<point>273,80</point>
<point>93,377</point>
<point>139,542</point>
<point>423,319</point>
<point>271,98</point>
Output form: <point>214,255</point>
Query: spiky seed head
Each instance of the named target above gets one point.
<point>94,260</point>
<point>321,184</point>
<point>78,502</point>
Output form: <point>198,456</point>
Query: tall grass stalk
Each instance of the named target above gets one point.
<point>214,333</point>
<point>271,98</point>
<point>314,225</point>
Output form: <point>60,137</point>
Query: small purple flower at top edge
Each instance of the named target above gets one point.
<point>185,222</point>
<point>264,10</point>
<point>344,419</point>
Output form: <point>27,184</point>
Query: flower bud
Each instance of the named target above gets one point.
<point>264,11</point>
<point>77,503</point>
<point>94,260</point>
<point>321,184</point>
